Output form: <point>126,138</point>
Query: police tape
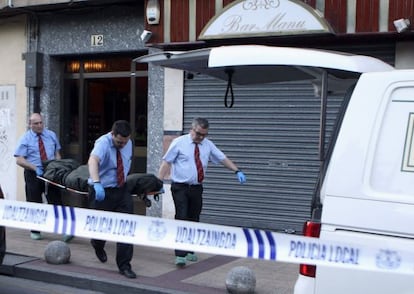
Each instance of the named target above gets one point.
<point>207,238</point>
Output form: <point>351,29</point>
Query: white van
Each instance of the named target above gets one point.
<point>366,184</point>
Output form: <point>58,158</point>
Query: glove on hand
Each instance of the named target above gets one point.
<point>99,191</point>
<point>39,171</point>
<point>161,191</point>
<point>241,177</point>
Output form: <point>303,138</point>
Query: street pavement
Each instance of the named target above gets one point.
<point>155,269</point>
<point>13,285</point>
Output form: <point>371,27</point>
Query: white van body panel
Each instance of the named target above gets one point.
<point>304,285</point>
<point>368,192</point>
<point>345,281</point>
<point>340,280</point>
<point>368,171</point>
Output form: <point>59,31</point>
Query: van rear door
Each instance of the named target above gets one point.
<point>255,64</point>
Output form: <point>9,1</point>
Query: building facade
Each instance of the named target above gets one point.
<point>73,61</point>
<point>12,98</point>
<point>76,69</point>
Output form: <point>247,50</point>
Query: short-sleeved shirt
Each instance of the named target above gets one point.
<point>28,146</point>
<point>105,150</point>
<point>181,155</point>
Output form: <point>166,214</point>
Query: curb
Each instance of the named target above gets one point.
<point>32,268</point>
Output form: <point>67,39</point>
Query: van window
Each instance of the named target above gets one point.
<point>393,164</point>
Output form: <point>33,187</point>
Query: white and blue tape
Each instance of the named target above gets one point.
<point>207,238</point>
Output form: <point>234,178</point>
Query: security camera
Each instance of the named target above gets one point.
<point>145,36</point>
<point>401,24</point>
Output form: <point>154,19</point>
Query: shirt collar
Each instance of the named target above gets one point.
<point>192,142</point>
<point>34,134</point>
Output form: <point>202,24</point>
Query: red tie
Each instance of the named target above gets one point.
<point>200,171</point>
<point>42,150</point>
<point>119,169</point>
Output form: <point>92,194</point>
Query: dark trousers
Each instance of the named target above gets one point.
<point>2,243</point>
<point>116,200</point>
<point>188,202</point>
<point>35,187</point>
<point>2,236</point>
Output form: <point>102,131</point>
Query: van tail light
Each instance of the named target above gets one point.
<point>310,229</point>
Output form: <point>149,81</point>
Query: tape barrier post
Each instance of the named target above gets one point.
<point>207,238</point>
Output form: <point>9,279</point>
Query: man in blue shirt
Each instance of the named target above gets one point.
<point>187,159</point>
<point>109,164</point>
<point>28,156</point>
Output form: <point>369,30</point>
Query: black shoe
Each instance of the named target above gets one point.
<point>129,273</point>
<point>100,253</point>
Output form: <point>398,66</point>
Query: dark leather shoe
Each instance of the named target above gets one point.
<point>100,253</point>
<point>128,273</point>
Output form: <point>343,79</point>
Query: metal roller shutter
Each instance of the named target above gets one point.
<point>272,133</point>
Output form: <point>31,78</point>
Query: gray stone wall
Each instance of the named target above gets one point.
<point>68,32</point>
<point>155,126</point>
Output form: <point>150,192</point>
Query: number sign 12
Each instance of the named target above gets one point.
<point>96,40</point>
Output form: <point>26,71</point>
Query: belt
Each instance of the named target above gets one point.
<point>113,188</point>
<point>185,184</point>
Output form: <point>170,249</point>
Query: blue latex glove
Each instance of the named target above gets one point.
<point>241,177</point>
<point>99,191</point>
<point>39,171</point>
<point>161,191</point>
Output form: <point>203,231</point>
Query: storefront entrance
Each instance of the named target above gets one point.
<point>96,93</point>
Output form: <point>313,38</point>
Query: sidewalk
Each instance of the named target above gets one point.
<point>154,267</point>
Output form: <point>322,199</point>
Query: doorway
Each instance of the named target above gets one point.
<point>98,92</point>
